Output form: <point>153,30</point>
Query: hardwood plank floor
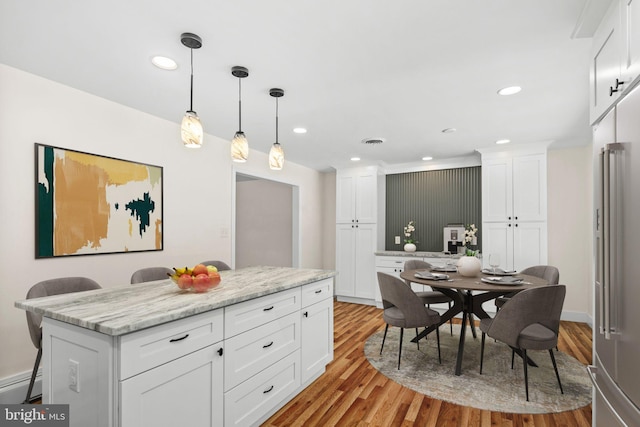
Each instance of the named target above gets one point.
<point>353,393</point>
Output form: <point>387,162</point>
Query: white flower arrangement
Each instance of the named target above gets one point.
<point>408,230</point>
<point>470,238</point>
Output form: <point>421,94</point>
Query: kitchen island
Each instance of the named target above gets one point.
<point>154,355</point>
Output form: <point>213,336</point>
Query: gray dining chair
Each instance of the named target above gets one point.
<point>530,320</point>
<point>220,265</point>
<point>428,297</point>
<point>150,274</point>
<point>547,272</point>
<point>403,308</point>
<point>63,285</point>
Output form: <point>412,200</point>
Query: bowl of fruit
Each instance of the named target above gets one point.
<point>199,279</point>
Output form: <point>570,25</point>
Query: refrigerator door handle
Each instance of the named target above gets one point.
<point>592,370</point>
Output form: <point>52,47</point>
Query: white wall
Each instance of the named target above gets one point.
<point>329,221</point>
<point>570,189</point>
<point>263,223</point>
<point>197,222</point>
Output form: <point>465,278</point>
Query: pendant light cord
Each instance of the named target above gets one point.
<point>277,121</point>
<point>191,95</point>
<point>239,105</point>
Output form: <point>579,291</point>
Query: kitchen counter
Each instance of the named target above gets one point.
<point>123,309</point>
<point>417,254</point>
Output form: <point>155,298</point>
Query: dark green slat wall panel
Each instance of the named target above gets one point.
<point>432,199</point>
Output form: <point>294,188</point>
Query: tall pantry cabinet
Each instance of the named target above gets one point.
<point>358,211</point>
<point>514,206</point>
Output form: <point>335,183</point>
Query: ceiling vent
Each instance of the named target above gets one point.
<point>373,141</point>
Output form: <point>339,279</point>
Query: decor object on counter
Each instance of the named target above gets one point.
<point>191,128</point>
<point>276,155</point>
<point>200,278</point>
<point>469,266</point>
<point>409,241</point>
<point>470,239</point>
<point>239,144</point>
<point>88,204</point>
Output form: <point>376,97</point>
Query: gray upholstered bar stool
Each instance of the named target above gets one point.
<point>220,265</point>
<point>150,274</point>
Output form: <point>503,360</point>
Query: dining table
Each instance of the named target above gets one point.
<point>468,295</point>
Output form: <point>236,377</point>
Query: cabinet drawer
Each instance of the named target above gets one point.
<point>151,347</point>
<point>248,403</point>
<point>252,351</point>
<point>253,313</point>
<point>315,292</point>
<point>393,262</point>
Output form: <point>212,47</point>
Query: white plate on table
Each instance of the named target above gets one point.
<point>498,272</point>
<point>497,280</point>
<point>431,276</point>
<point>445,268</point>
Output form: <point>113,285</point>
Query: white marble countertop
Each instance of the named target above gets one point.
<point>417,254</point>
<point>123,309</point>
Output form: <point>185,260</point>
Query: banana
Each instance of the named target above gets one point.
<point>180,271</point>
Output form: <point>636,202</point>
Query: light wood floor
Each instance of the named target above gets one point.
<point>353,393</point>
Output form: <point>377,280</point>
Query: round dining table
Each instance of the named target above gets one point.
<point>468,295</point>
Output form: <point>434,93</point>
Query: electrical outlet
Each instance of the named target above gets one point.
<point>74,375</point>
<point>397,240</point>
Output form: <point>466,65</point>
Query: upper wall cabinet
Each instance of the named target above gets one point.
<point>514,187</point>
<point>356,195</point>
<point>615,62</point>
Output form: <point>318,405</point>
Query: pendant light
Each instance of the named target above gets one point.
<point>276,155</point>
<point>239,144</point>
<point>191,129</point>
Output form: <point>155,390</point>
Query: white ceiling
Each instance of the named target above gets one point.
<point>402,70</point>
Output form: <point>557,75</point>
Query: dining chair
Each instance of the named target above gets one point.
<point>403,308</point>
<point>220,265</point>
<point>530,320</point>
<point>428,297</point>
<point>150,274</point>
<point>547,272</point>
<point>63,285</point>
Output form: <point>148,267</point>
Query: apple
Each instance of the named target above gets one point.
<point>214,276</point>
<point>200,269</point>
<point>201,282</point>
<point>185,281</point>
<point>211,268</point>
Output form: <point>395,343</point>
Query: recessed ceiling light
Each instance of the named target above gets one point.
<point>355,159</point>
<point>449,130</point>
<point>511,90</point>
<point>503,141</point>
<point>427,158</point>
<point>299,130</point>
<point>164,63</point>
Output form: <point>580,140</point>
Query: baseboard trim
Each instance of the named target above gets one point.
<point>13,389</point>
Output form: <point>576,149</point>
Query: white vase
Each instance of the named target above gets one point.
<point>469,266</point>
<point>409,247</point>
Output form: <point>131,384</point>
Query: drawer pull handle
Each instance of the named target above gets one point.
<point>268,345</point>
<point>220,351</point>
<point>305,314</point>
<point>319,291</point>
<point>267,391</point>
<point>179,339</point>
<point>267,309</point>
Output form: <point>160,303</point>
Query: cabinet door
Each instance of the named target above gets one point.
<point>345,194</point>
<point>184,392</point>
<point>605,65</point>
<point>497,189</point>
<point>317,338</point>
<point>345,259</point>
<point>498,238</point>
<point>631,22</point>
<point>366,197</point>
<point>530,187</point>
<point>365,261</point>
<point>529,244</point>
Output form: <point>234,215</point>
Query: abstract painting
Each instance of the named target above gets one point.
<point>88,204</point>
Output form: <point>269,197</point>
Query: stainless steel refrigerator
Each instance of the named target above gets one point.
<point>616,346</point>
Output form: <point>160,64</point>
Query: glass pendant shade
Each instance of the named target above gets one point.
<point>276,157</point>
<point>191,130</point>
<point>239,148</point>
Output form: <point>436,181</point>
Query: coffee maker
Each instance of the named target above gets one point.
<point>453,238</point>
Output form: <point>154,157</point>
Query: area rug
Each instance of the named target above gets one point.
<point>499,388</point>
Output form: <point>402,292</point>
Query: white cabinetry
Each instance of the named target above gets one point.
<point>514,206</point>
<point>357,233</point>
<point>317,329</point>
<point>615,55</point>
